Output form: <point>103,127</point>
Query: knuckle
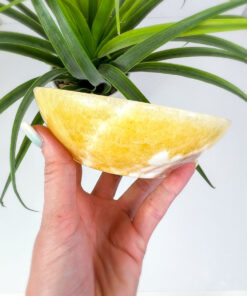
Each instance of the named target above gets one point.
<point>143,185</point>
<point>166,188</point>
<point>52,168</point>
<point>156,212</point>
<point>141,244</point>
<point>115,177</point>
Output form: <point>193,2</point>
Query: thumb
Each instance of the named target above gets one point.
<point>60,173</point>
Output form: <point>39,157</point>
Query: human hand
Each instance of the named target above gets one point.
<point>91,244</point>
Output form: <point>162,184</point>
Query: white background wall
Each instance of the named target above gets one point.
<point>201,243</point>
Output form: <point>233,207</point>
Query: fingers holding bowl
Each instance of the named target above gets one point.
<point>159,200</point>
<point>106,186</point>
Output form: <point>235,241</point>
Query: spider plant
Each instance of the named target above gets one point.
<point>92,46</point>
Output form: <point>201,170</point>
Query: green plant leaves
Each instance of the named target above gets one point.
<point>193,52</point>
<point>124,8</point>
<point>121,82</point>
<point>26,11</point>
<point>29,46</point>
<point>204,176</point>
<point>131,15</point>
<point>25,20</point>
<point>6,7</point>
<point>57,39</point>
<point>92,10</point>
<point>73,45</point>
<point>87,68</point>
<point>228,16</point>
<point>15,95</point>
<point>117,5</point>
<point>20,155</point>
<point>137,14</point>
<point>82,31</point>
<point>83,6</point>
<point>138,35</point>
<point>103,13</point>
<point>28,98</point>
<point>35,53</point>
<point>189,72</point>
<point>126,5</point>
<point>219,25</point>
<point>140,51</point>
<point>216,42</point>
<point>24,39</point>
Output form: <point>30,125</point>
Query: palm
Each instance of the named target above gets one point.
<point>115,250</point>
<point>96,243</point>
<point>91,244</point>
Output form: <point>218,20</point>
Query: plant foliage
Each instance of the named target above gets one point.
<point>93,45</point>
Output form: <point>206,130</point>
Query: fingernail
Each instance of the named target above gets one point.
<point>31,133</point>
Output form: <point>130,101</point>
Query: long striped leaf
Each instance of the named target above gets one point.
<point>138,35</point>
<point>24,39</point>
<point>193,52</point>
<point>121,82</point>
<point>26,11</point>
<point>140,51</point>
<point>15,95</point>
<point>31,52</point>
<point>219,25</point>
<point>216,42</point>
<point>85,64</point>
<point>27,100</point>
<point>189,72</point>
<point>103,13</point>
<point>25,20</point>
<point>20,155</point>
<point>56,39</point>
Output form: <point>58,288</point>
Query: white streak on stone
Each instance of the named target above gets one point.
<point>160,158</point>
<point>159,165</point>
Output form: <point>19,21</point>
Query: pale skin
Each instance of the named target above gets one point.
<point>91,244</point>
